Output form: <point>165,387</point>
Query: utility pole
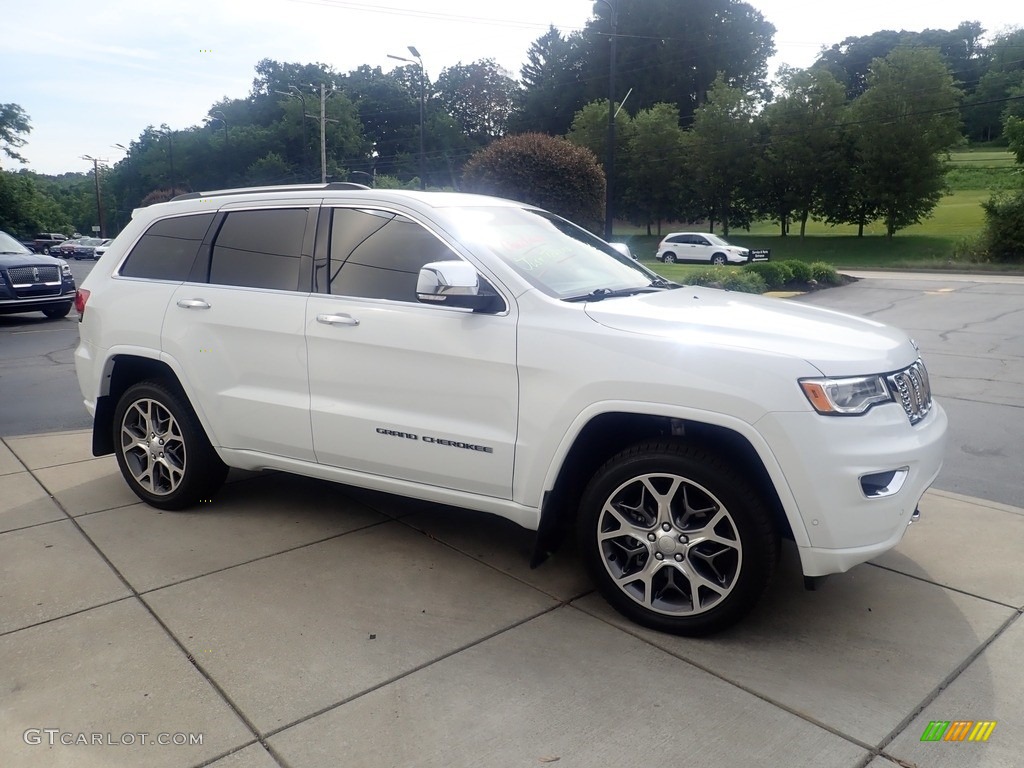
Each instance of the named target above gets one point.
<point>323,135</point>
<point>99,204</point>
<point>609,157</point>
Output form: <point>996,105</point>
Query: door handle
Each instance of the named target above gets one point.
<point>337,320</point>
<point>193,304</point>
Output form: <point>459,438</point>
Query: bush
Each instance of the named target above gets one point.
<point>971,250</point>
<point>730,279</point>
<point>801,270</point>
<point>1004,227</point>
<point>542,170</point>
<point>774,273</point>
<point>825,273</point>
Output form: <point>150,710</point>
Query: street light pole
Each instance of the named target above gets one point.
<point>609,158</point>
<point>418,60</point>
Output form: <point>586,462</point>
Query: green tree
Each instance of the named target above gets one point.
<point>590,129</point>
<point>802,144</point>
<point>480,97</point>
<point>905,121</point>
<point>655,167</point>
<point>719,146</point>
<point>552,87</point>
<point>14,125</point>
<point>542,170</point>
<point>666,49</point>
<point>1014,130</point>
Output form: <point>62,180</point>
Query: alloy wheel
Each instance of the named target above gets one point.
<point>669,544</point>
<point>153,447</point>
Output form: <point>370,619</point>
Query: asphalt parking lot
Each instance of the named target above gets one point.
<point>297,623</point>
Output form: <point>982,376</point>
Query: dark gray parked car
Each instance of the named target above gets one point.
<point>32,282</point>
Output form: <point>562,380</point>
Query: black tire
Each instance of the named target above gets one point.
<point>61,310</point>
<point>669,258</point>
<point>719,259</point>
<point>162,449</point>
<point>670,543</point>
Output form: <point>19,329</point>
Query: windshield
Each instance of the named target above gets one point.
<point>552,254</point>
<point>716,240</point>
<point>9,245</point>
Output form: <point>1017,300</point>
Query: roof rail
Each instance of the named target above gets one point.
<point>331,185</point>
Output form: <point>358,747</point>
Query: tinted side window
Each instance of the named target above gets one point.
<point>260,249</point>
<point>378,255</point>
<point>168,249</point>
<point>698,240</point>
<point>677,239</point>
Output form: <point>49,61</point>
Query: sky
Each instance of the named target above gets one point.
<point>94,74</point>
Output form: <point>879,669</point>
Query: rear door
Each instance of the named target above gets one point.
<point>399,388</point>
<point>236,329</point>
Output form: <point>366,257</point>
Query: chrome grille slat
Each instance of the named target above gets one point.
<point>912,390</point>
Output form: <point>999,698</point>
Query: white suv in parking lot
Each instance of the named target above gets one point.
<point>490,355</point>
<point>700,247</point>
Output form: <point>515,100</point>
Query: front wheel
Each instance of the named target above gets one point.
<point>676,540</point>
<point>162,450</point>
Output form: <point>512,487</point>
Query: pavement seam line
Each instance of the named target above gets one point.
<point>959,591</point>
<point>262,557</point>
<point>174,639</point>
<point>948,680</point>
<point>414,670</point>
<point>767,699</point>
<point>512,576</point>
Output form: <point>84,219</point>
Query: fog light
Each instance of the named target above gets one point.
<point>881,484</point>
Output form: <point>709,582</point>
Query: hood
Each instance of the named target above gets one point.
<point>835,343</point>
<point>27,260</point>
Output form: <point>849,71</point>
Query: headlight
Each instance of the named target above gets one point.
<point>65,269</point>
<point>846,397</point>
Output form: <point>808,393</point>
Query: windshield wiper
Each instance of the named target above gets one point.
<point>607,293</point>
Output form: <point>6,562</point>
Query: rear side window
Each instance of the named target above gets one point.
<point>260,249</point>
<point>168,249</point>
<point>378,255</point>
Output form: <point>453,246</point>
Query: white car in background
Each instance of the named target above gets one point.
<point>700,247</point>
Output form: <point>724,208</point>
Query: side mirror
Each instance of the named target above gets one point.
<point>453,284</point>
<point>623,249</point>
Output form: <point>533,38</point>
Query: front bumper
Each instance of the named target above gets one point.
<point>35,303</point>
<point>824,460</point>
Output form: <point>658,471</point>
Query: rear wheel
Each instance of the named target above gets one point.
<point>61,310</point>
<point>676,540</point>
<point>669,258</point>
<point>162,450</point>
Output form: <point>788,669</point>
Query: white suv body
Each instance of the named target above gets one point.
<point>700,247</point>
<point>484,354</point>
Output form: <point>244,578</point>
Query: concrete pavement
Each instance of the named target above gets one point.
<point>302,624</point>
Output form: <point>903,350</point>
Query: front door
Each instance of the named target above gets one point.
<point>398,388</point>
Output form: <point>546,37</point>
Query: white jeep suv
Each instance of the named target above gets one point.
<point>490,355</point>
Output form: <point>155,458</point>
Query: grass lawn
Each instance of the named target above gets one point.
<point>929,245</point>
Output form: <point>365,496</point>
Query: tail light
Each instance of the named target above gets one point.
<point>81,299</point>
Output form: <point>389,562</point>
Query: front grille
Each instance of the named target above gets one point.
<point>911,388</point>
<point>23,276</point>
